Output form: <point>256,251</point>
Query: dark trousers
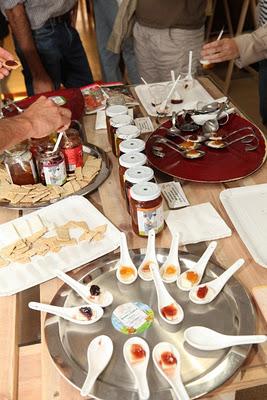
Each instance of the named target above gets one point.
<point>263,90</point>
<point>62,54</point>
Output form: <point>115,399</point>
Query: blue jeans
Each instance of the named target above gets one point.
<point>263,90</point>
<point>105,15</point>
<point>62,55</point>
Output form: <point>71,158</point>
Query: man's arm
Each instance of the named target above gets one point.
<point>40,119</point>
<point>21,29</point>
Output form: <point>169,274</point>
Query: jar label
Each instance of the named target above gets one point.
<point>55,174</point>
<point>73,158</point>
<point>150,218</point>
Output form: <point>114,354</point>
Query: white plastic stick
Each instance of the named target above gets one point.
<point>58,141</point>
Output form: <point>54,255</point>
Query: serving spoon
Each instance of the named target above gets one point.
<point>244,139</point>
<point>136,355</point>
<point>126,271</point>
<point>82,315</point>
<point>99,353</point>
<point>197,272</point>
<point>203,338</point>
<point>215,286</point>
<point>175,147</point>
<point>170,270</point>
<point>170,371</point>
<point>150,258</point>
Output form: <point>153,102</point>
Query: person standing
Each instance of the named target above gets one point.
<point>49,47</point>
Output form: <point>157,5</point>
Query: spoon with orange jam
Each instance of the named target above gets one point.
<point>188,279</point>
<point>150,258</point>
<point>126,271</point>
<point>170,270</point>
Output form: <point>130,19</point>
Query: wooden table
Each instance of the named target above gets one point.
<point>28,372</point>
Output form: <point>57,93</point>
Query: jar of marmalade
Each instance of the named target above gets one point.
<point>136,175</point>
<point>146,208</point>
<point>52,167</point>
<point>132,146</point>
<point>124,133</point>
<point>118,122</point>
<point>111,112</point>
<point>19,165</point>
<point>72,149</point>
<point>127,161</point>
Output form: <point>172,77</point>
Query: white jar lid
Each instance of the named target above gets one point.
<point>120,120</point>
<point>132,160</point>
<point>128,132</point>
<point>147,191</point>
<point>139,174</point>
<point>112,111</point>
<point>132,146</point>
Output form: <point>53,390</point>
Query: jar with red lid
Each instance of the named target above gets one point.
<point>146,208</point>
<point>132,146</point>
<point>118,122</point>
<point>52,167</point>
<point>124,133</point>
<point>136,175</point>
<point>72,149</point>
<point>127,161</point>
<point>19,164</point>
<point>111,112</point>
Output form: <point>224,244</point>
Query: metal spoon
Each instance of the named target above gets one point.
<point>206,339</point>
<point>174,146</point>
<point>126,271</point>
<point>223,144</point>
<point>173,130</point>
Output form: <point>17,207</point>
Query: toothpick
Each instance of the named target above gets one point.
<point>220,34</point>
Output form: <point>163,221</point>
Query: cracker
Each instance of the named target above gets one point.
<point>87,236</point>
<point>78,173</point>
<point>63,233</point>
<point>3,263</point>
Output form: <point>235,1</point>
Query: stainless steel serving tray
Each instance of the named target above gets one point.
<point>231,313</point>
<point>96,182</point>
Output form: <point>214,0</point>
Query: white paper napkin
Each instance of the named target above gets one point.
<point>100,122</point>
<point>197,223</point>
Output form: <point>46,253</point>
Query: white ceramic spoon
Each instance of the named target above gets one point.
<point>126,272</point>
<point>104,299</point>
<point>185,284</point>
<point>172,372</point>
<point>203,338</point>
<point>214,286</point>
<point>188,80</point>
<point>72,314</point>
<point>150,258</point>
<point>166,303</point>
<point>138,367</point>
<point>99,353</point>
<point>170,270</point>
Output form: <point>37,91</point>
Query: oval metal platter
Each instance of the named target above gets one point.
<point>231,312</point>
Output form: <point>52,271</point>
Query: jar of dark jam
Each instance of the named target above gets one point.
<point>19,165</point>
<point>111,112</point>
<point>37,145</point>
<point>118,122</point>
<point>52,167</point>
<point>127,161</point>
<point>136,175</point>
<point>132,146</point>
<point>124,133</point>
<point>146,208</point>
<point>72,149</point>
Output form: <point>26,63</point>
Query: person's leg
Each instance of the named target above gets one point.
<point>130,61</point>
<point>262,90</point>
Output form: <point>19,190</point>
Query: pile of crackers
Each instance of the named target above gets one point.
<point>27,195</point>
<point>39,243</point>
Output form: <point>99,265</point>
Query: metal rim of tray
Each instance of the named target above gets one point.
<point>239,317</point>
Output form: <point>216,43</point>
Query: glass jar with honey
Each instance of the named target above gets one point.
<point>20,165</point>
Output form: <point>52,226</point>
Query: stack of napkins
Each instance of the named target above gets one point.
<point>197,224</point>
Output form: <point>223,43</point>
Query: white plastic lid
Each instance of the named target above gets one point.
<point>132,160</point>
<point>147,191</point>
<point>112,111</point>
<point>132,146</point>
<point>128,132</point>
<point>120,120</point>
<point>139,174</point>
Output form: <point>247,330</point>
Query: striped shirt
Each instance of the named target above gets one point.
<point>39,11</point>
<point>262,12</point>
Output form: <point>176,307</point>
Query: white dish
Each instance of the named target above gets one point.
<point>17,277</point>
<point>247,209</point>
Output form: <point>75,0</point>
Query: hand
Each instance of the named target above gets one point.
<point>4,56</point>
<point>220,50</point>
<point>42,84</point>
<point>46,117</point>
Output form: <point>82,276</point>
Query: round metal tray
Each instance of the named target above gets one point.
<point>231,313</point>
<point>97,181</point>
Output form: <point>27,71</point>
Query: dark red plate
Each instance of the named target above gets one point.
<point>217,165</point>
<point>73,96</point>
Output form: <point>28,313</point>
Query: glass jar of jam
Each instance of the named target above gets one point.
<point>136,175</point>
<point>132,146</point>
<point>146,208</point>
<point>111,112</point>
<point>52,167</point>
<point>72,149</point>
<point>127,161</point>
<point>124,133</point>
<point>118,122</point>
<point>37,145</point>
<point>20,165</point>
